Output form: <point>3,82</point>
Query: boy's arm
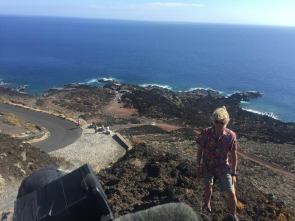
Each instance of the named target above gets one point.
<point>234,161</point>
<point>199,155</point>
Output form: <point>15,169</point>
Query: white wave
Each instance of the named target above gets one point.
<point>91,81</point>
<point>254,92</point>
<point>236,92</point>
<point>244,102</point>
<point>230,94</point>
<point>57,88</point>
<point>199,88</point>
<point>156,85</point>
<point>203,88</point>
<point>269,114</point>
<point>2,83</point>
<point>108,79</point>
<point>95,80</point>
<point>105,79</point>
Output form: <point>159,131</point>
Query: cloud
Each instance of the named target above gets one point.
<point>173,4</point>
<point>97,7</point>
<point>152,5</point>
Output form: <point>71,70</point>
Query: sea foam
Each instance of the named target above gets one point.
<point>205,88</point>
<point>2,83</point>
<point>157,85</point>
<point>236,92</point>
<point>108,79</point>
<point>93,80</point>
<point>269,114</point>
<point>199,88</point>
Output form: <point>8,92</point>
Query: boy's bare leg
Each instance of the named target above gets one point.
<point>208,194</point>
<point>232,202</point>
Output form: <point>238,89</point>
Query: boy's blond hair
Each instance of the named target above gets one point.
<point>220,114</point>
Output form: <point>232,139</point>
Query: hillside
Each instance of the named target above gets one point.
<point>144,178</point>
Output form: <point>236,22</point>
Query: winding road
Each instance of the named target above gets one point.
<point>62,132</point>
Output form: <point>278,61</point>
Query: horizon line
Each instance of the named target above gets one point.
<point>139,20</point>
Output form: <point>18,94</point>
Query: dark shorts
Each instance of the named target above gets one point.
<point>225,181</point>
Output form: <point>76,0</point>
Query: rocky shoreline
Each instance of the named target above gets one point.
<point>193,109</point>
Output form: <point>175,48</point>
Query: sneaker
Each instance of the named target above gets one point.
<point>230,217</point>
<point>206,208</point>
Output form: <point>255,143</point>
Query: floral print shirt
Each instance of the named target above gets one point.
<point>215,153</point>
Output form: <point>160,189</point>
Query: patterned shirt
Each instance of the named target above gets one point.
<point>215,153</point>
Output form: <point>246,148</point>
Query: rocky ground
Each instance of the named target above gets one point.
<point>144,178</point>
<point>183,142</point>
<point>279,154</point>
<point>17,161</point>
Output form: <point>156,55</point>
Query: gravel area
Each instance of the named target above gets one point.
<point>8,196</point>
<point>279,154</point>
<point>97,149</point>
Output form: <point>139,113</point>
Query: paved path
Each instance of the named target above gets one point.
<point>97,149</point>
<point>62,132</point>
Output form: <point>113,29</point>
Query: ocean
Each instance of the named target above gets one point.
<point>47,52</point>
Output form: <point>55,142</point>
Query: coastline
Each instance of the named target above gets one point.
<point>251,124</point>
<point>101,82</point>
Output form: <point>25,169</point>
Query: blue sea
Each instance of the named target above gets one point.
<point>47,52</point>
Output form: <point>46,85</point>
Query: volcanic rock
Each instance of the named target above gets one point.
<point>167,178</point>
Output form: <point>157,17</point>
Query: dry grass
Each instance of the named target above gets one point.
<point>31,127</point>
<point>12,120</point>
<point>4,100</point>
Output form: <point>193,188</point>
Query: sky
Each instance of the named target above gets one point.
<point>262,12</point>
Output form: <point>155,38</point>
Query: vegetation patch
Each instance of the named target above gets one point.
<point>14,121</point>
<point>11,119</point>
<point>4,100</point>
